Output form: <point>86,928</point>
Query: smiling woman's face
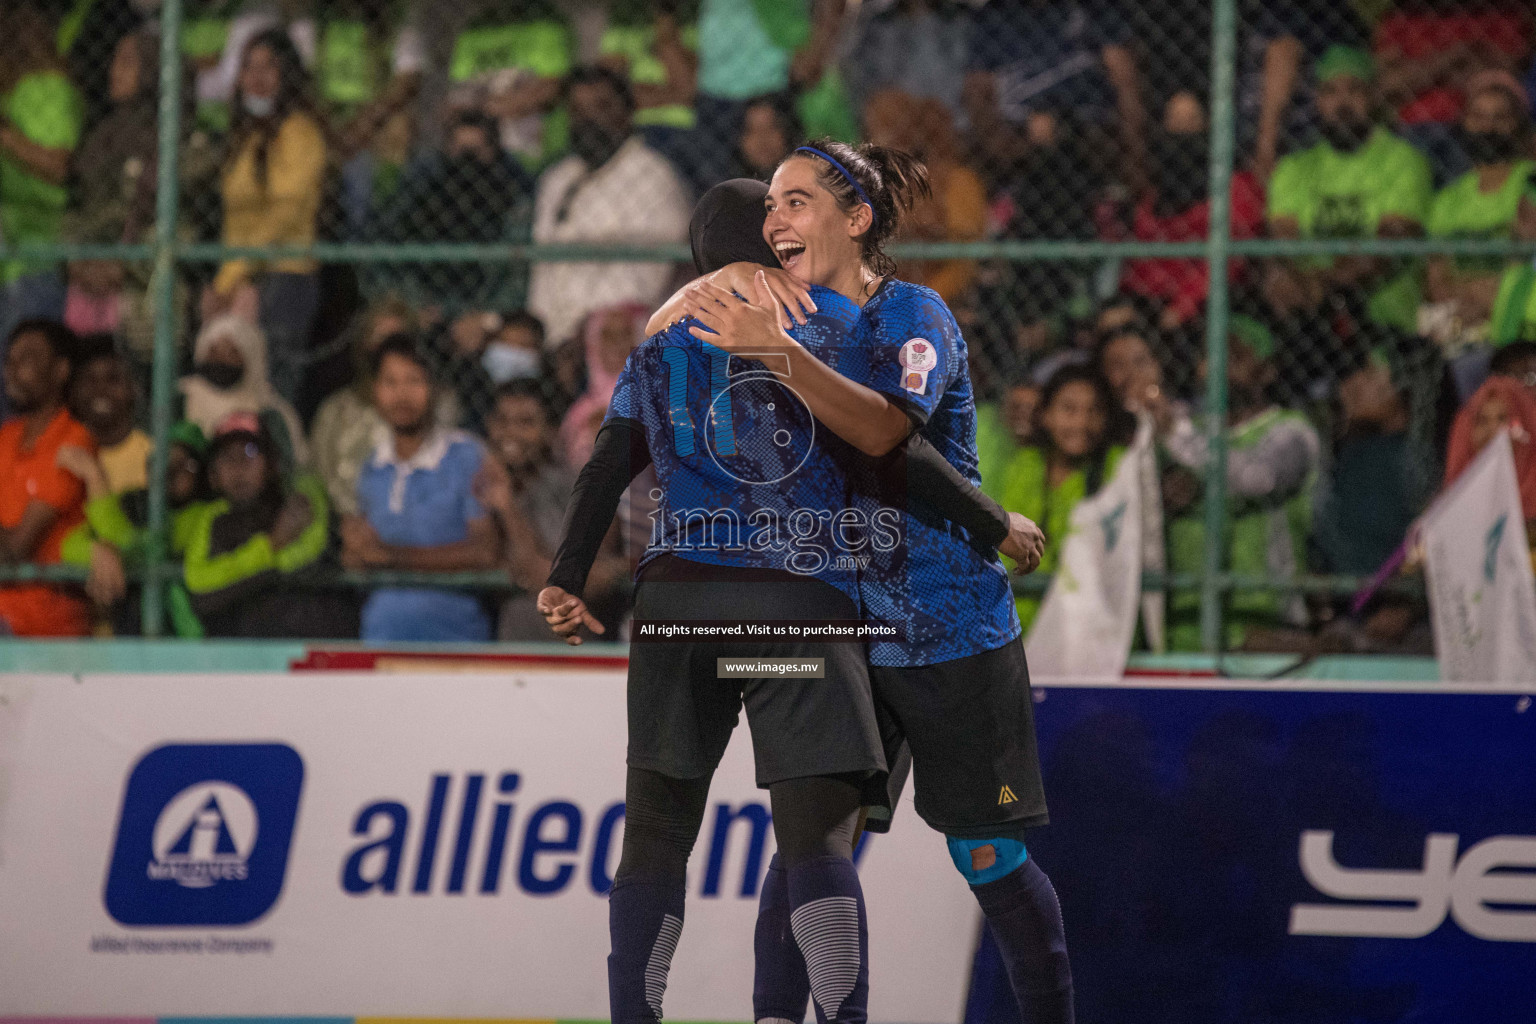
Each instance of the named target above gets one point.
<point>812,237</point>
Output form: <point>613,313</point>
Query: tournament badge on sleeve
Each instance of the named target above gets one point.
<point>917,358</point>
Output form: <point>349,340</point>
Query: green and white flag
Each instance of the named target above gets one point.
<point>1087,620</point>
<point>1482,597</point>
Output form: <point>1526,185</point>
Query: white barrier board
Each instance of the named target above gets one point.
<point>385,845</point>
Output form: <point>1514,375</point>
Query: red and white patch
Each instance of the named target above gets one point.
<point>917,357</point>
<point>918,354</point>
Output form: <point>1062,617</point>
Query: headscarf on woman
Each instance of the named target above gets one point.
<point>208,404</point>
<point>605,358</point>
<point>1500,402</point>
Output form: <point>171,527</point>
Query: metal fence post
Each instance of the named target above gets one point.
<point>163,282</point>
<point>1223,131</point>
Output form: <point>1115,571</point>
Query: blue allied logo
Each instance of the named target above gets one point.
<point>203,835</point>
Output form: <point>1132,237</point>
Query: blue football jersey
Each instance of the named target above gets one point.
<point>941,593</point>
<point>747,475</point>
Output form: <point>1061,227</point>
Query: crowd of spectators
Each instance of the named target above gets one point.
<point>430,416</point>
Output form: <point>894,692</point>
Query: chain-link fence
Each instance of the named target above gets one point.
<point>510,181</point>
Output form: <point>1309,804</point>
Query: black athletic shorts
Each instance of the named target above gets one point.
<point>969,725</point>
<point>681,714</point>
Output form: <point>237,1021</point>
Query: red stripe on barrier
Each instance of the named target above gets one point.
<point>334,660</point>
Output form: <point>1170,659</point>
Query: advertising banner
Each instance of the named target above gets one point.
<point>419,845</point>
<point>385,845</point>
<point>1292,853</point>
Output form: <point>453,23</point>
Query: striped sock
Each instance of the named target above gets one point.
<point>645,920</point>
<point>779,986</point>
<point>827,919</point>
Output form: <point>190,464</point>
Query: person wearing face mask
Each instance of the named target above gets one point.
<point>1358,181</point>
<point>481,350</point>
<point>271,186</point>
<point>516,351</point>
<point>471,190</point>
<point>1177,209</point>
<point>229,375</point>
<point>1484,202</point>
<point>613,189</point>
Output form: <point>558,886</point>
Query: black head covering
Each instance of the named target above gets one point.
<point>727,226</point>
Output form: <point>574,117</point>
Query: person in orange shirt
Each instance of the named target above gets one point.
<point>39,501</point>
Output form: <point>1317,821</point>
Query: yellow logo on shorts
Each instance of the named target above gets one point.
<point>1006,797</point>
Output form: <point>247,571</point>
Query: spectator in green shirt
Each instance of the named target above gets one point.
<point>1483,203</point>
<point>1072,455</point>
<point>1360,181</point>
<point>40,124</point>
<point>246,548</point>
<point>1002,428</point>
<point>749,48</point>
<point>115,535</point>
<point>1273,458</point>
<point>1514,308</point>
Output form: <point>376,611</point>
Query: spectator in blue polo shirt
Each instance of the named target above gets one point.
<point>418,508</point>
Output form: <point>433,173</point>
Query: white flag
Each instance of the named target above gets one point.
<point>1087,621</point>
<point>1154,555</point>
<point>1482,596</point>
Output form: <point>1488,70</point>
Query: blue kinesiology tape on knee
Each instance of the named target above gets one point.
<point>1010,855</point>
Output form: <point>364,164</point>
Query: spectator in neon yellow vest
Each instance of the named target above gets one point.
<point>369,69</point>
<point>1496,133</point>
<point>114,534</point>
<point>658,51</point>
<point>263,529</point>
<point>1273,455</point>
<point>1073,456</point>
<point>368,63</point>
<point>1359,181</point>
<point>40,125</point>
<point>511,61</point>
<point>748,48</point>
<point>1514,308</point>
<point>1002,428</point>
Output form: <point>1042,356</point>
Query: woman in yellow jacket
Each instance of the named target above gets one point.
<point>271,187</point>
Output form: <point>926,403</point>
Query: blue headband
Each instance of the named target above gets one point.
<point>850,179</point>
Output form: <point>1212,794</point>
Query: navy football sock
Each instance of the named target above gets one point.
<point>645,918</point>
<point>1025,917</point>
<point>827,919</point>
<point>779,984</point>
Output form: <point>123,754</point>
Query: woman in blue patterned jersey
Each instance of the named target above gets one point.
<point>953,683</point>
<point>678,406</point>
